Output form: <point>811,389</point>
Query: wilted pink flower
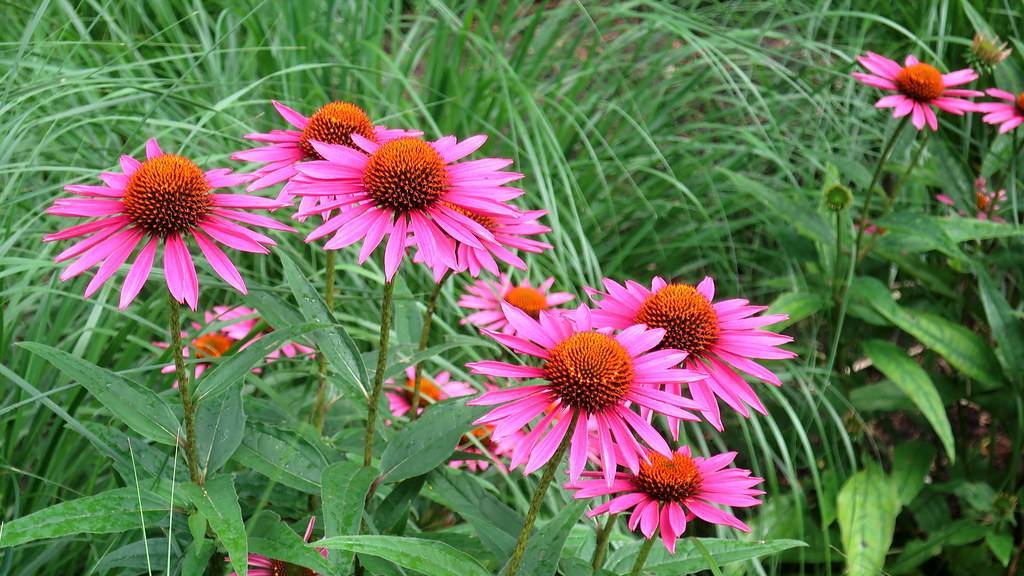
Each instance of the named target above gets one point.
<point>918,87</point>
<point>670,491</point>
<point>162,201</point>
<point>488,297</point>
<point>719,337</point>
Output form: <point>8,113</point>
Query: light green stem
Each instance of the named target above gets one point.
<point>428,321</point>
<point>641,557</point>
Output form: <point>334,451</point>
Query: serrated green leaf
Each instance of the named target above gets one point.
<point>916,384</point>
<point>109,512</point>
<point>426,556</point>
<point>427,441</point>
<point>140,408</point>
<point>220,425</point>
<point>345,485</point>
<point>910,464</point>
<point>867,506</point>
<point>332,340</point>
<point>217,501</point>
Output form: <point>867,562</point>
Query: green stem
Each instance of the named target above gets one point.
<point>428,321</point>
<point>891,198</point>
<point>189,409</point>
<point>378,376</point>
<point>603,536</point>
<point>512,568</point>
<point>641,557</point>
<point>320,408</point>
<point>1013,178</point>
<point>886,151</point>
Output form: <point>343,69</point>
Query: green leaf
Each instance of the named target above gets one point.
<point>916,384</point>
<point>798,305</point>
<point>232,370</point>
<point>495,523</point>
<point>197,557</point>
<point>867,506</point>
<point>688,559</point>
<point>427,441</point>
<point>218,502</point>
<point>109,512</point>
<point>274,539</point>
<point>345,485</point>
<point>288,460</point>
<point>140,408</point>
<point>545,545</point>
<point>963,349</point>
<point>398,367</point>
<point>220,425</point>
<point>391,515</point>
<point>332,340</point>
<point>426,556</point>
<point>137,556</point>
<point>910,464</point>
<point>971,229</point>
<point>1001,545</point>
<point>1007,329</point>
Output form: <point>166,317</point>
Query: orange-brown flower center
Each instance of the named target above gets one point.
<point>529,300</point>
<point>982,201</point>
<point>482,434</point>
<point>921,81</point>
<point>427,390</point>
<point>335,123</point>
<point>212,345</point>
<point>689,320</point>
<point>282,568</point>
<point>589,371</point>
<point>405,175</point>
<point>1020,102</point>
<point>485,221</point>
<point>669,479</point>
<point>167,195</point>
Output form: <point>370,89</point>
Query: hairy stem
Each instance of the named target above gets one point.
<point>320,408</point>
<point>641,557</point>
<point>378,376</point>
<point>188,407</point>
<point>512,568</point>
<point>428,321</point>
<point>603,536</point>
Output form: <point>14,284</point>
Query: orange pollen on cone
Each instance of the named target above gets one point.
<point>921,82</point>
<point>335,123</point>
<point>212,345</point>
<point>669,479</point>
<point>529,300</point>
<point>689,320</point>
<point>405,175</point>
<point>589,371</point>
<point>1020,102</point>
<point>486,221</point>
<point>167,195</point>
<point>282,568</point>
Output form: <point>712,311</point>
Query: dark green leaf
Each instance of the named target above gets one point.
<point>276,540</point>
<point>545,545</point>
<point>427,441</point>
<point>426,556</point>
<point>688,559</point>
<point>910,465</point>
<point>197,557</point>
<point>285,459</point>
<point>867,506</point>
<point>220,424</point>
<point>141,409</point>
<point>345,485</point>
<point>218,502</point>
<point>1007,329</point>
<point>495,523</point>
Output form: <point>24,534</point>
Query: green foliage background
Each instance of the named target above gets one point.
<point>681,139</point>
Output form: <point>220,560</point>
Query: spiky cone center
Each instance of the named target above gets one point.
<point>212,345</point>
<point>689,320</point>
<point>920,82</point>
<point>405,175</point>
<point>282,568</point>
<point>486,221</point>
<point>427,390</point>
<point>589,371</point>
<point>1020,102</point>
<point>669,479</point>
<point>335,123</point>
<point>527,299</point>
<point>982,201</point>
<point>167,195</point>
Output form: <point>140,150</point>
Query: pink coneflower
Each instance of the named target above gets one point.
<point>440,388</point>
<point>333,123</point>
<point>595,375</point>
<point>236,324</point>
<point>718,336</point>
<point>410,190</point>
<point>986,204</point>
<point>918,86</point>
<point>1008,114</point>
<point>488,297</point>
<point>260,565</point>
<point>163,200</point>
<point>670,491</point>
